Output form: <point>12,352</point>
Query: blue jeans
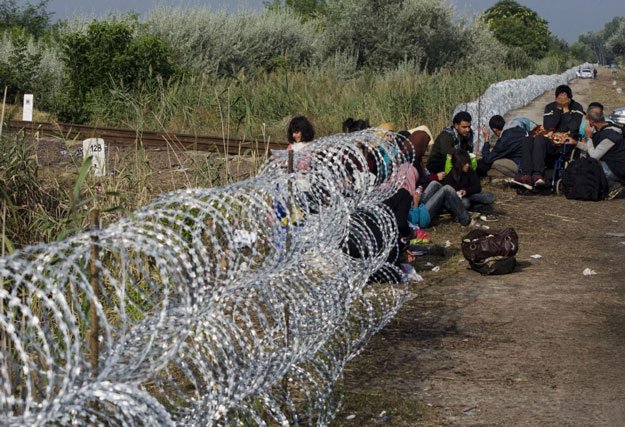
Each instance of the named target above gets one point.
<point>438,197</point>
<point>478,200</point>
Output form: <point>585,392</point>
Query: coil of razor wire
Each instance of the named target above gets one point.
<point>238,305</point>
<point>508,95</point>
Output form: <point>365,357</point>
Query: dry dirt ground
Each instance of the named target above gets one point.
<point>544,345</point>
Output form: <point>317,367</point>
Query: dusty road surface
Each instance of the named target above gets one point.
<point>544,345</point>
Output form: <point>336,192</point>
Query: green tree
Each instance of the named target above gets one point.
<point>616,42</point>
<point>384,33</point>
<point>32,17</point>
<point>583,52</point>
<point>108,54</point>
<point>518,26</point>
<point>21,72</point>
<point>598,41</point>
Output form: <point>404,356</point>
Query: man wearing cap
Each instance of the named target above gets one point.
<point>561,121</point>
<point>458,136</point>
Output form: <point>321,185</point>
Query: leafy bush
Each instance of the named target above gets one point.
<point>383,34</point>
<point>108,53</point>
<point>517,58</point>
<point>28,66</point>
<point>221,44</point>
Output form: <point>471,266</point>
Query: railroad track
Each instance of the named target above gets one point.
<point>129,137</point>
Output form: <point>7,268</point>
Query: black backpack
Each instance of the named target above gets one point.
<point>584,179</point>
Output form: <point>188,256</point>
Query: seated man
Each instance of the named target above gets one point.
<point>608,146</point>
<point>509,145</point>
<point>457,136</point>
<point>561,121</point>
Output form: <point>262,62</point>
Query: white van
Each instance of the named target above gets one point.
<point>585,73</point>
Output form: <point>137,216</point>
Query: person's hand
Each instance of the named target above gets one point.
<point>588,130</point>
<point>461,193</point>
<point>416,199</point>
<point>441,176</point>
<point>559,138</point>
<point>485,133</point>
<point>570,140</point>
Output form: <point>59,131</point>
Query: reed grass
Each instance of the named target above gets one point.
<point>261,107</point>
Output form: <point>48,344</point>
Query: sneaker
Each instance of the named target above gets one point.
<point>409,274</point>
<point>615,191</point>
<point>523,181</point>
<point>489,218</point>
<point>475,224</point>
<point>538,181</point>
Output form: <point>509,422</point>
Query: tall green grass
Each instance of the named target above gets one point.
<point>262,106</point>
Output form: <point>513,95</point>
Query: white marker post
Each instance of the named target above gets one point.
<point>95,147</point>
<point>27,112</point>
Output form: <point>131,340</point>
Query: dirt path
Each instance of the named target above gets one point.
<point>542,346</point>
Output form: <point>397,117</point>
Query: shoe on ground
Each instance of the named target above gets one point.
<point>538,181</point>
<point>523,181</point>
<point>476,224</point>
<point>409,274</point>
<point>489,218</point>
<point>616,191</point>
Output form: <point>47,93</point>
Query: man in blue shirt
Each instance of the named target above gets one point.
<point>509,145</point>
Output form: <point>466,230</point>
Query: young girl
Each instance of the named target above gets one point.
<point>467,184</point>
<point>300,130</point>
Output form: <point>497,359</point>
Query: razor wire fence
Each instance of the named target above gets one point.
<point>507,95</point>
<point>238,305</point>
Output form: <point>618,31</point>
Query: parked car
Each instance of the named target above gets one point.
<point>618,116</point>
<point>585,73</point>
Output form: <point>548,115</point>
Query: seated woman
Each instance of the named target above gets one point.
<point>435,197</point>
<point>466,183</point>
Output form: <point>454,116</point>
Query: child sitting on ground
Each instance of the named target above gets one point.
<point>467,184</point>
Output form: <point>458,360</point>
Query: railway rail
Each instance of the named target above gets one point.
<point>151,139</point>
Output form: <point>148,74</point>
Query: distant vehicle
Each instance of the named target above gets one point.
<point>584,73</point>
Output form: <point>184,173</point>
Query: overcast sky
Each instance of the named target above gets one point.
<point>567,18</point>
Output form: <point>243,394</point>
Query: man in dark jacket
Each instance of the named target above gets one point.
<point>608,146</point>
<point>509,145</point>
<point>458,136</point>
<point>561,121</point>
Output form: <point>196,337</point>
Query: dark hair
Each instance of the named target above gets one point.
<point>459,158</point>
<point>595,105</point>
<point>303,125</point>
<point>404,133</point>
<point>496,122</point>
<point>351,125</point>
<point>462,116</point>
<point>564,89</point>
